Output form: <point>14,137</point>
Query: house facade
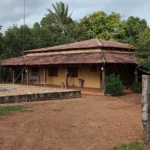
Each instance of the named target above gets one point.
<point>79,64</point>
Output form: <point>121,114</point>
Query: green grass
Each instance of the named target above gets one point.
<point>9,109</point>
<point>132,146</point>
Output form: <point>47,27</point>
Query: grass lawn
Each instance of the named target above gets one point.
<point>132,146</point>
<point>9,109</point>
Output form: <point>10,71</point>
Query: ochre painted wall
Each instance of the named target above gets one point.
<point>91,79</point>
<point>56,80</point>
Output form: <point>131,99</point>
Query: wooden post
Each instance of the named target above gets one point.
<point>66,73</point>
<point>103,79</point>
<point>136,74</point>
<point>27,71</point>
<point>146,107</point>
<point>44,76</point>
<point>22,78</point>
<point>13,75</point>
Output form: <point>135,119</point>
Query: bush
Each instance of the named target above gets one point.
<point>114,85</point>
<point>137,87</point>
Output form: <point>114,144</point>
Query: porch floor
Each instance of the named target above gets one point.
<point>84,90</point>
<point>10,93</point>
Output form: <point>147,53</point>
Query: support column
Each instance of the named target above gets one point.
<point>13,75</point>
<point>27,72</point>
<point>66,73</point>
<point>136,74</point>
<point>44,76</point>
<point>146,107</point>
<point>103,79</point>
<point>22,78</point>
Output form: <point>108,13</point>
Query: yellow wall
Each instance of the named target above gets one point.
<point>91,79</point>
<point>56,80</point>
<point>75,52</point>
<point>63,52</point>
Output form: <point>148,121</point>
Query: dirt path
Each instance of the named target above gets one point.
<point>87,123</point>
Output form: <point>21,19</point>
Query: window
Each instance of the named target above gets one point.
<point>72,72</point>
<point>35,69</point>
<point>93,68</point>
<point>53,71</point>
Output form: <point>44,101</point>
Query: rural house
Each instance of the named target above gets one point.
<point>79,64</point>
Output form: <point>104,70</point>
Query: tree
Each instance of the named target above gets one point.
<point>1,43</point>
<point>60,14</point>
<point>17,39</point>
<point>143,50</point>
<point>54,32</point>
<point>102,26</point>
<point>133,27</point>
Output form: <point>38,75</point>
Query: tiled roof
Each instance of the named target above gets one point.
<point>92,43</point>
<point>84,58</point>
<point>120,58</point>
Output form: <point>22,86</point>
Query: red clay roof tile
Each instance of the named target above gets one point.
<point>92,43</point>
<point>84,58</point>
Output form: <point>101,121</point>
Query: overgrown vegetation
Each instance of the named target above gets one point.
<point>143,50</point>
<point>132,146</point>
<point>9,109</point>
<point>137,87</point>
<point>114,85</point>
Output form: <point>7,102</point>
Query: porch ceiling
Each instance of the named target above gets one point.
<point>84,58</point>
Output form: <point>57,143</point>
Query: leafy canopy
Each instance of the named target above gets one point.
<point>61,16</point>
<point>143,50</point>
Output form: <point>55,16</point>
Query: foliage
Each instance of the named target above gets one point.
<point>132,146</point>
<point>143,50</point>
<point>137,87</point>
<point>113,85</point>
<point>102,26</point>
<point>17,39</point>
<point>60,15</point>
<point>133,26</point>
<point>1,43</point>
<point>9,109</point>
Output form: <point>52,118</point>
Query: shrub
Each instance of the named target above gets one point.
<point>113,85</point>
<point>137,87</point>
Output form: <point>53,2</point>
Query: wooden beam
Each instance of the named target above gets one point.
<point>103,79</point>
<point>13,75</point>
<point>136,74</point>
<point>66,74</point>
<point>22,78</point>
<point>44,76</point>
<point>27,75</point>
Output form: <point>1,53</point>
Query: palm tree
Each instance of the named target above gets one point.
<point>60,14</point>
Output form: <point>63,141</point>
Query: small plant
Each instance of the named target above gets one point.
<point>9,109</point>
<point>132,146</point>
<point>114,85</point>
<point>137,87</point>
<point>50,148</point>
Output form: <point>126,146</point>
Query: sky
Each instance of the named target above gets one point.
<point>12,11</point>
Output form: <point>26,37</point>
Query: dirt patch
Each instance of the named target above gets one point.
<point>87,123</point>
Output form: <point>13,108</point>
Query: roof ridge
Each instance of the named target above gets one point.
<point>98,42</point>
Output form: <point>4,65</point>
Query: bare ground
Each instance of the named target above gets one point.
<point>87,123</point>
